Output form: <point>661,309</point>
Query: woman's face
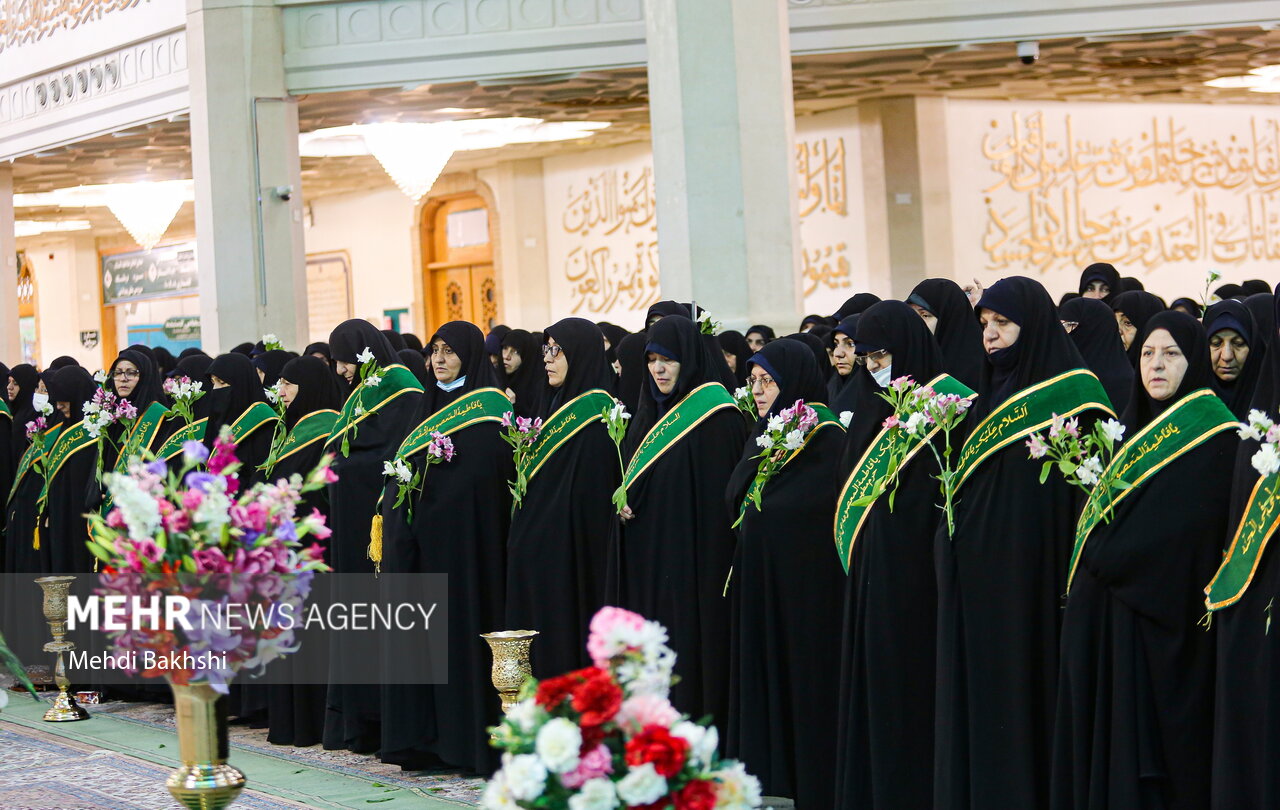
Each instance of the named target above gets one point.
<point>1228,350</point>
<point>40,389</point>
<point>1162,365</point>
<point>346,370</point>
<point>998,332</point>
<point>755,341</point>
<point>1096,289</point>
<point>878,360</point>
<point>1127,330</point>
<point>511,359</point>
<point>556,362</point>
<point>12,389</point>
<point>445,362</point>
<point>288,392</point>
<point>125,376</point>
<point>930,320</point>
<point>218,382</point>
<point>665,372</point>
<point>64,408</point>
<point>842,355</point>
<point>262,375</point>
<point>731,359</point>
<point>764,389</point>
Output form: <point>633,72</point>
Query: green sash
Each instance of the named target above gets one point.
<point>563,425</point>
<point>1193,420</point>
<point>701,402</point>
<point>254,417</point>
<point>34,451</point>
<point>473,407</point>
<point>68,444</point>
<point>5,412</point>
<point>310,429</point>
<point>396,381</point>
<point>825,418</point>
<point>872,467</point>
<point>1260,520</point>
<point>1029,410</point>
<point>186,433</point>
<point>142,434</point>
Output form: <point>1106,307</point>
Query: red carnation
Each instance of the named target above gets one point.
<point>597,699</point>
<point>656,745</point>
<point>700,794</point>
<point>553,691</point>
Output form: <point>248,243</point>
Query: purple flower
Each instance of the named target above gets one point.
<point>194,452</point>
<point>287,530</point>
<point>202,481</point>
<point>157,468</point>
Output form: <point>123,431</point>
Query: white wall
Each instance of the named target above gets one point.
<point>67,299</point>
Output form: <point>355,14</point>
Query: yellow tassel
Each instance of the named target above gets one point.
<point>35,539</point>
<point>375,543</point>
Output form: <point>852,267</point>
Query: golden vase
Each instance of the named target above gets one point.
<point>204,781</point>
<point>511,667</point>
<point>64,708</point>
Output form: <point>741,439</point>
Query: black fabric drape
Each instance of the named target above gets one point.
<point>350,338</point>
<point>818,348</point>
<point>393,337</point>
<point>765,332</point>
<point>227,404</point>
<point>1135,684</point>
<point>270,363</point>
<point>631,357</point>
<point>735,343</point>
<point>841,389</point>
<point>319,388</point>
<point>1098,341</point>
<point>557,553</point>
<point>67,528</point>
<point>886,682</point>
<point>529,381</point>
<point>27,378</point>
<point>1232,314</point>
<point>1000,580</point>
<point>785,601</point>
<point>1101,271</point>
<point>855,305</point>
<point>677,549</point>
<point>418,365</point>
<point>662,309</point>
<point>1139,307</point>
<point>957,333</point>
<point>458,526</point>
<point>1262,307</point>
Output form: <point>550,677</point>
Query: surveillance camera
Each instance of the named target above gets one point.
<point>1028,52</point>
<point>284,193</point>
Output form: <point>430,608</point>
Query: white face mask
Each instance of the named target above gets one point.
<point>41,401</point>
<point>883,376</point>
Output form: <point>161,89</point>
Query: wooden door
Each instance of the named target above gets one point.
<point>460,282</point>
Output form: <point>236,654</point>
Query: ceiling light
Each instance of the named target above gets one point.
<point>35,227</point>
<point>414,155</point>
<point>144,209</point>
<point>1259,80</point>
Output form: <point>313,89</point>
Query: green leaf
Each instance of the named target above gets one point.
<point>1067,467</point>
<point>1044,471</point>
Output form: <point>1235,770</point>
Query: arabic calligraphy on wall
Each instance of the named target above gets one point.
<point>23,21</point>
<point>1147,189</point>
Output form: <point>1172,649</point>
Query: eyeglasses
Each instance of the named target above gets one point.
<point>879,355</point>
<point>1070,326</point>
<point>551,351</point>
<point>125,374</point>
<point>764,382</point>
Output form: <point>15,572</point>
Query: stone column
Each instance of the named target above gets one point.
<point>723,125</point>
<point>244,155</point>
<point>10,340</point>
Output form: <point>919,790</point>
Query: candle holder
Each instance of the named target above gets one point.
<point>64,708</point>
<point>511,667</point>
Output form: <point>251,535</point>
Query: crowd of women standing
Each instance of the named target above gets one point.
<point>1037,646</point>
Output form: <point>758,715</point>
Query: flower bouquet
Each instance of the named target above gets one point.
<point>183,393</point>
<point>1081,459</point>
<point>408,480</point>
<point>371,375</point>
<point>521,433</point>
<point>607,737</point>
<point>746,403</point>
<point>783,434</point>
<point>104,410</point>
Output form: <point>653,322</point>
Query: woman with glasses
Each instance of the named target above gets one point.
<point>1093,330</point>
<point>677,545</point>
<point>559,541</point>
<point>453,518</point>
<point>785,589</point>
<point>886,547</point>
<point>526,379</point>
<point>133,377</point>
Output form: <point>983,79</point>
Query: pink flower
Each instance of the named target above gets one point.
<point>148,549</point>
<point>607,626</point>
<point>211,561</point>
<point>251,516</point>
<point>330,476</point>
<point>316,522</point>
<point>224,455</point>
<point>315,551</point>
<point>901,382</point>
<point>1036,447</point>
<point>125,410</point>
<point>191,499</point>
<point>176,522</point>
<point>506,419</point>
<point>891,422</point>
<point>115,519</point>
<point>647,710</point>
<point>595,763</point>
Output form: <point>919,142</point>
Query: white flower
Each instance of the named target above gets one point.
<point>141,514</point>
<point>642,785</point>
<point>1247,432</point>
<point>741,393</point>
<point>703,740</point>
<point>775,423</point>
<point>557,744</point>
<point>359,410</point>
<point>764,440</point>
<point>398,470</point>
<point>372,380</point>
<point>1266,461</point>
<point>269,340</point>
<point>93,429</point>
<point>846,417</point>
<point>597,794</point>
<point>100,376</point>
<point>497,796</point>
<point>272,396</point>
<point>366,355</point>
<point>736,789</point>
<point>1113,430</point>
<point>1090,471</point>
<point>618,413</point>
<point>794,440</point>
<point>45,409</point>
<point>525,775</point>
<point>525,715</point>
<point>915,423</point>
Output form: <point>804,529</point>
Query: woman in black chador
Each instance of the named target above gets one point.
<point>677,544</point>
<point>885,743</point>
<point>1135,684</point>
<point>522,364</point>
<point>362,443</point>
<point>239,402</point>
<point>74,457</point>
<point>950,317</point>
<point>21,555</point>
<point>456,525</point>
<point>1237,353</point>
<point>785,591</point>
<point>556,556</point>
<point>1092,327</point>
<point>1002,575</point>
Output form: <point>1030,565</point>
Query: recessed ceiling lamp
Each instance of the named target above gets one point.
<point>1259,80</point>
<point>35,227</point>
<point>144,209</point>
<point>414,155</point>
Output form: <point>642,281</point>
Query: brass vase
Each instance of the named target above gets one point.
<point>204,781</point>
<point>64,708</point>
<point>511,668</point>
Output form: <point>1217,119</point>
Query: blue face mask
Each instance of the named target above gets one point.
<point>883,376</point>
